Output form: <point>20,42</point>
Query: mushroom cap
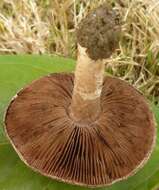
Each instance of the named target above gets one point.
<point>100,32</point>
<point>98,154</point>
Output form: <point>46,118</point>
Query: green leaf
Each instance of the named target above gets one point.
<point>15,73</point>
<point>151,184</point>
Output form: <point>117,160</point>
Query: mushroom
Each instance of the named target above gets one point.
<point>84,128</point>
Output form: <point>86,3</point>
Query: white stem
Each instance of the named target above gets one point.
<point>87,87</point>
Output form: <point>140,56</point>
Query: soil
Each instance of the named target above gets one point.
<point>100,32</point>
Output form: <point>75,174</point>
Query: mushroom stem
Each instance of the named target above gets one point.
<point>85,105</point>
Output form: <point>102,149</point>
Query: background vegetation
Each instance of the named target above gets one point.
<point>48,27</point>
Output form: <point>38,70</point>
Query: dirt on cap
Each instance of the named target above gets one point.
<point>100,32</point>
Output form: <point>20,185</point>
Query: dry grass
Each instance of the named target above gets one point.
<point>48,26</point>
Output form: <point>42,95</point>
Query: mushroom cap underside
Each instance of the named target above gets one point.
<point>110,149</point>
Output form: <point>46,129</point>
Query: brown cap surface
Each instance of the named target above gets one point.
<point>50,142</point>
<point>99,32</point>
